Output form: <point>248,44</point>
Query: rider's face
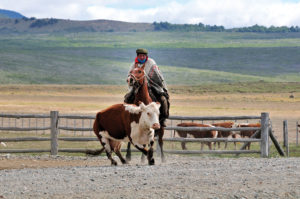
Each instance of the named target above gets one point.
<point>142,56</point>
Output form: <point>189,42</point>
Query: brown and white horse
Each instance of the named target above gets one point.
<point>137,81</point>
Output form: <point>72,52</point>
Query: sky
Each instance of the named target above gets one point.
<point>229,13</point>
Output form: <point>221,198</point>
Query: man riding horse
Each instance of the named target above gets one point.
<point>157,87</point>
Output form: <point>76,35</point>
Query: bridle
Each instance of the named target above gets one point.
<point>135,81</point>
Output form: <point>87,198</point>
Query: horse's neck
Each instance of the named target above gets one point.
<point>143,94</point>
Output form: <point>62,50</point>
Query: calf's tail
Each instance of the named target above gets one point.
<point>97,126</point>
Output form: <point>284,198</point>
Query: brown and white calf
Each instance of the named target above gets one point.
<point>248,134</point>
<point>225,134</point>
<point>127,123</point>
<point>197,134</point>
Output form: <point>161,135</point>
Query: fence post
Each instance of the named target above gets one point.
<point>264,147</point>
<point>54,132</point>
<point>286,137</point>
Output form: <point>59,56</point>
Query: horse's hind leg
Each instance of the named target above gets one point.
<point>143,157</point>
<point>128,152</point>
<point>160,133</point>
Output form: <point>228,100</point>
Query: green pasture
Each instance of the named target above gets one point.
<point>154,40</point>
<point>186,58</point>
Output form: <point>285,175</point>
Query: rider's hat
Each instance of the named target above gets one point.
<point>142,51</point>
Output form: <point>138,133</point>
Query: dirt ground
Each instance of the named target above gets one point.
<point>179,177</point>
<point>91,99</point>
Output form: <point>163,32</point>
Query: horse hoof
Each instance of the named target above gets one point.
<point>151,162</point>
<point>114,163</point>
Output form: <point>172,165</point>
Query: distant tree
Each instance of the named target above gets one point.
<point>166,26</point>
<point>43,22</point>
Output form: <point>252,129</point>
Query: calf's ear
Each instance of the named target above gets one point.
<point>158,105</point>
<point>142,106</point>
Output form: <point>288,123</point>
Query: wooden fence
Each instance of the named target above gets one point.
<point>54,128</point>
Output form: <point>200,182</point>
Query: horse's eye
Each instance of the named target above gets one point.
<point>140,71</point>
<point>149,114</point>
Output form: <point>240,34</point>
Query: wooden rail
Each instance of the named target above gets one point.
<point>54,138</point>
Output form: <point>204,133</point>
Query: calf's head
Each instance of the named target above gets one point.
<point>149,114</point>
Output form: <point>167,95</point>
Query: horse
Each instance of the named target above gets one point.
<point>137,81</point>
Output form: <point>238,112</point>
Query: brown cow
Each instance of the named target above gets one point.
<point>197,134</point>
<point>248,133</point>
<point>225,134</point>
<point>127,123</point>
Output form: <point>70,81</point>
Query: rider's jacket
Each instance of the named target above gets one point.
<point>154,76</point>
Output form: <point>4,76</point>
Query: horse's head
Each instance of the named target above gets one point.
<point>136,77</point>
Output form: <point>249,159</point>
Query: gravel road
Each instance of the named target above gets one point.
<point>179,177</point>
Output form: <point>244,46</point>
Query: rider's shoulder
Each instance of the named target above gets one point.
<point>151,61</point>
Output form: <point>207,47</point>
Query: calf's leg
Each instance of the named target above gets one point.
<point>116,145</point>
<point>150,154</point>
<point>106,143</point>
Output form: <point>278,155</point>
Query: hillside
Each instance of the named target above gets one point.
<point>185,58</point>
<point>10,14</point>
<point>33,25</point>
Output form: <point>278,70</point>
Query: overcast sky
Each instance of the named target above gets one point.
<point>229,13</point>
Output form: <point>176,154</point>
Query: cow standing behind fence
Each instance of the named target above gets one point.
<point>225,134</point>
<point>248,134</point>
<point>196,134</point>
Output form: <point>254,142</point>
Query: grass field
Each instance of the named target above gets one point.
<point>190,58</point>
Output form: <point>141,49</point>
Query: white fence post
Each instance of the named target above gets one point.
<point>264,147</point>
<point>54,132</point>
